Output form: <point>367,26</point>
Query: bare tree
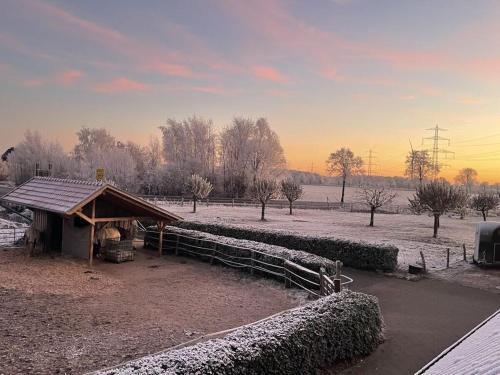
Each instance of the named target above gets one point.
<point>463,203</point>
<point>467,177</point>
<point>437,197</point>
<point>200,188</point>
<point>485,202</point>
<point>291,190</point>
<point>418,165</point>
<point>344,163</point>
<point>376,197</point>
<point>263,190</point>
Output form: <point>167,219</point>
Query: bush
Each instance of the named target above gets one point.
<point>338,327</point>
<point>353,254</point>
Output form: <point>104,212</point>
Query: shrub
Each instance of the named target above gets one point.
<point>338,327</point>
<point>353,254</point>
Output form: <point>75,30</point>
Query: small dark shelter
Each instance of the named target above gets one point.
<point>68,214</point>
<point>487,243</point>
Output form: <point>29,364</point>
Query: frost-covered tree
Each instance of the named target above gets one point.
<point>189,147</point>
<point>92,139</point>
<point>200,188</point>
<point>34,151</point>
<point>485,202</point>
<point>291,190</point>
<point>248,150</point>
<point>263,190</point>
<point>376,197</point>
<point>418,165</point>
<point>344,163</point>
<point>467,177</point>
<point>437,197</point>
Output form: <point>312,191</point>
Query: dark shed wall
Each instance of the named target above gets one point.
<point>76,240</point>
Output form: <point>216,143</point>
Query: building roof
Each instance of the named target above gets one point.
<point>64,196</point>
<point>478,352</point>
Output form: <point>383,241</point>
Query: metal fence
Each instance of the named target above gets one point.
<point>275,203</point>
<point>250,260</point>
<point>11,237</point>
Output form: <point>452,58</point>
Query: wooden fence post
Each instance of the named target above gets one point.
<point>448,258</point>
<point>423,261</point>
<point>322,291</point>
<point>252,265</point>
<point>465,252</point>
<point>287,276</point>
<point>337,285</point>
<point>177,246</point>
<point>214,247</point>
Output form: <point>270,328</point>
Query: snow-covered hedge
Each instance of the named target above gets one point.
<point>308,260</point>
<point>356,254</point>
<point>333,328</point>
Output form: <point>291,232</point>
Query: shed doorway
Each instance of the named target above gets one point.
<point>55,223</point>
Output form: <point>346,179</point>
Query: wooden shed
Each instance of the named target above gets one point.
<point>69,213</point>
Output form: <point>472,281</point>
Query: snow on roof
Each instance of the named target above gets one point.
<point>478,352</point>
<point>52,194</point>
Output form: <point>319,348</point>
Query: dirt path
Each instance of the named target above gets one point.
<point>422,319</point>
<point>57,318</point>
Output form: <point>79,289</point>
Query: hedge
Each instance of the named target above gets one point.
<point>355,254</point>
<point>338,327</point>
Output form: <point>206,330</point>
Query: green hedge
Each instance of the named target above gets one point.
<point>318,334</point>
<point>361,255</point>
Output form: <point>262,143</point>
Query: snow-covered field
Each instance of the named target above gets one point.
<point>320,193</point>
<point>410,233</point>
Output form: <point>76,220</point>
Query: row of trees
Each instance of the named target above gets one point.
<point>232,160</point>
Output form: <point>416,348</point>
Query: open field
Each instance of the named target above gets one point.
<point>410,233</point>
<point>57,316</point>
<point>320,193</point>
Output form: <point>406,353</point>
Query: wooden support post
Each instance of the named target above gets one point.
<point>92,230</point>
<point>465,252</point>
<point>423,261</point>
<point>322,291</point>
<point>448,258</point>
<point>252,257</point>
<point>337,285</point>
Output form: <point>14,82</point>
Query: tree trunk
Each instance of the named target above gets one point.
<point>291,204</point>
<point>436,225</point>
<point>343,190</point>
<point>372,215</point>
<point>262,212</point>
<point>194,204</point>
<point>485,215</point>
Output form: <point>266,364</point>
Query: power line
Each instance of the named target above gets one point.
<point>371,162</point>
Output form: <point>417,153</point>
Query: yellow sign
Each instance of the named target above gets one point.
<point>99,174</point>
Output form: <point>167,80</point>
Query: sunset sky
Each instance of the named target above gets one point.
<point>326,74</point>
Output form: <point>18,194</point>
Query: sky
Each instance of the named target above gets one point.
<point>369,75</point>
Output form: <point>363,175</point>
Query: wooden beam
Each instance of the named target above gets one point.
<point>161,225</point>
<point>92,229</point>
<point>85,217</point>
<point>104,219</point>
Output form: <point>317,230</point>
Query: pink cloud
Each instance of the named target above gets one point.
<point>330,73</point>
<point>33,82</point>
<point>121,85</point>
<point>176,70</point>
<point>469,101</point>
<point>69,77</point>
<point>211,90</point>
<point>269,73</point>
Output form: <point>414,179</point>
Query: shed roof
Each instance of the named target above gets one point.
<point>66,196</point>
<point>478,352</point>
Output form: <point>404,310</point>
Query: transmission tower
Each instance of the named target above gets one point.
<point>436,149</point>
<point>371,162</point>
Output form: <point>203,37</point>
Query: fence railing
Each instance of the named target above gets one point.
<point>10,237</point>
<point>253,261</point>
<point>275,203</point>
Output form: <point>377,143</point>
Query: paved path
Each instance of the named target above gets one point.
<point>422,318</point>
